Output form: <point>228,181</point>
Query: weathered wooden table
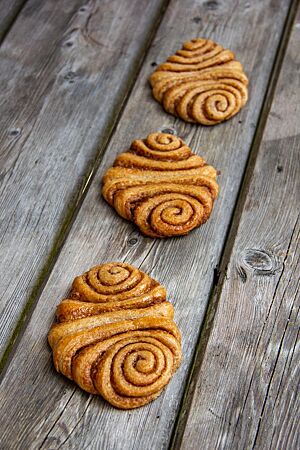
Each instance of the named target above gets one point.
<point>74,94</point>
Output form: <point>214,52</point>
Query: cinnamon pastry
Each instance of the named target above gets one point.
<point>201,83</point>
<point>126,354</point>
<point>161,186</point>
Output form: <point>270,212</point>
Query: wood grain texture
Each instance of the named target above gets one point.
<point>9,10</point>
<point>60,98</point>
<point>247,392</point>
<point>49,412</point>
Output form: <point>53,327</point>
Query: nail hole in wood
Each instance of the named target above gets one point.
<point>153,64</point>
<point>279,169</point>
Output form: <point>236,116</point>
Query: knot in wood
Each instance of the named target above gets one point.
<point>133,239</point>
<point>260,262</point>
<point>197,19</point>
<point>211,5</point>
<point>70,77</point>
<point>14,132</point>
<point>169,131</point>
<point>132,242</point>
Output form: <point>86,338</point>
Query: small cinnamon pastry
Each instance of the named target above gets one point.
<point>161,186</point>
<point>201,83</point>
<point>127,355</point>
<point>107,288</point>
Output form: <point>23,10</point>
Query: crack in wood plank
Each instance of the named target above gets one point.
<point>77,423</point>
<point>58,417</point>
<point>271,378</point>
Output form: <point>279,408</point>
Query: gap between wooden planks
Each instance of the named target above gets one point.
<point>49,410</point>
<point>246,394</point>
<point>61,97</point>
<point>9,12</point>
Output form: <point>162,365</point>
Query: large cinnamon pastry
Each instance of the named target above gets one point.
<point>201,83</point>
<point>161,186</point>
<point>115,335</point>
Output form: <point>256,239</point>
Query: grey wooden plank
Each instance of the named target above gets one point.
<point>61,90</point>
<point>247,391</point>
<point>9,11</point>
<point>51,412</point>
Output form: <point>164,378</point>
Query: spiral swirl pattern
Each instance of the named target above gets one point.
<point>201,83</point>
<point>107,288</point>
<point>161,186</point>
<point>126,355</point>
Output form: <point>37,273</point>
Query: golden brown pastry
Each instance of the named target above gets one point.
<point>161,186</point>
<point>107,288</point>
<point>127,355</point>
<point>201,83</point>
